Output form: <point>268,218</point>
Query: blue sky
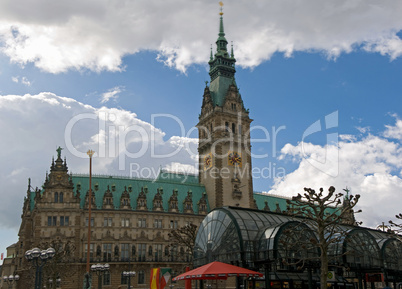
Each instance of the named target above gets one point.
<point>294,68</point>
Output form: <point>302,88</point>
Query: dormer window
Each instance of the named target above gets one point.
<point>56,197</point>
<point>61,195</point>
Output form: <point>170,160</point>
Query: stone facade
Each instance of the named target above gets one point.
<point>129,231</point>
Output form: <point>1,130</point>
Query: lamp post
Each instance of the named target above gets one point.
<point>129,274</point>
<point>39,258</point>
<point>11,279</point>
<point>100,270</point>
<point>87,276</point>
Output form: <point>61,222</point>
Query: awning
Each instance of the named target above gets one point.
<point>216,270</point>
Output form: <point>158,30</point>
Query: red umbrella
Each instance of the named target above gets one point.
<point>216,270</point>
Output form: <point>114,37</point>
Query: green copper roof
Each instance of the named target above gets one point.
<point>167,182</point>
<point>272,200</point>
<point>219,88</point>
<point>117,186</point>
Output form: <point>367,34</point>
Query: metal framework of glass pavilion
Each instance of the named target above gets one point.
<point>262,241</point>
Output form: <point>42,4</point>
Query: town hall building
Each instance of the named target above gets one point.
<point>131,218</point>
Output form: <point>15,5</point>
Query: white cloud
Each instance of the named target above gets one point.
<point>180,168</point>
<point>115,135</point>
<point>394,131</point>
<point>112,93</point>
<point>24,80</point>
<point>369,165</point>
<point>96,35</point>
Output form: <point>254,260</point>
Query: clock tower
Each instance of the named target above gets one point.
<point>224,134</point>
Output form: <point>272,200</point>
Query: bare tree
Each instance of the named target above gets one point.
<point>182,240</point>
<point>395,227</point>
<point>324,215</point>
<point>60,266</point>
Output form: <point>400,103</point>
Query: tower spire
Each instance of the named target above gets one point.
<point>221,30</point>
<point>221,67</point>
<point>221,43</point>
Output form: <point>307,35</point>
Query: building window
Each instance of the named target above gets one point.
<point>125,222</point>
<point>107,222</point>
<point>158,252</point>
<point>141,252</point>
<point>173,224</point>
<point>125,249</point>
<point>158,223</point>
<point>106,278</point>
<point>64,221</point>
<point>91,250</point>
<point>233,128</point>
<point>92,222</point>
<point>141,277</point>
<point>142,223</point>
<point>107,252</point>
<point>61,195</point>
<point>173,253</point>
<point>123,279</point>
<point>56,197</point>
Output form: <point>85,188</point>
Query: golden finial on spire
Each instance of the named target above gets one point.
<point>221,4</point>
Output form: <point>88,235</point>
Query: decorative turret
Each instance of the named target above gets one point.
<point>58,176</point>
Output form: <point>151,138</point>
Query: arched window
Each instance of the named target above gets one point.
<point>56,197</point>
<point>61,195</point>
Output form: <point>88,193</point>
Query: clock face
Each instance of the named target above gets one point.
<point>234,158</point>
<point>207,161</point>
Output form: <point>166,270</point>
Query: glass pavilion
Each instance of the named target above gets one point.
<point>270,242</point>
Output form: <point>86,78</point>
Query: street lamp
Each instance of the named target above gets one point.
<point>100,270</point>
<point>11,279</point>
<point>129,274</point>
<point>58,281</point>
<point>39,258</point>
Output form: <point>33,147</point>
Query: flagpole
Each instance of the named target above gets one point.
<point>90,153</point>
